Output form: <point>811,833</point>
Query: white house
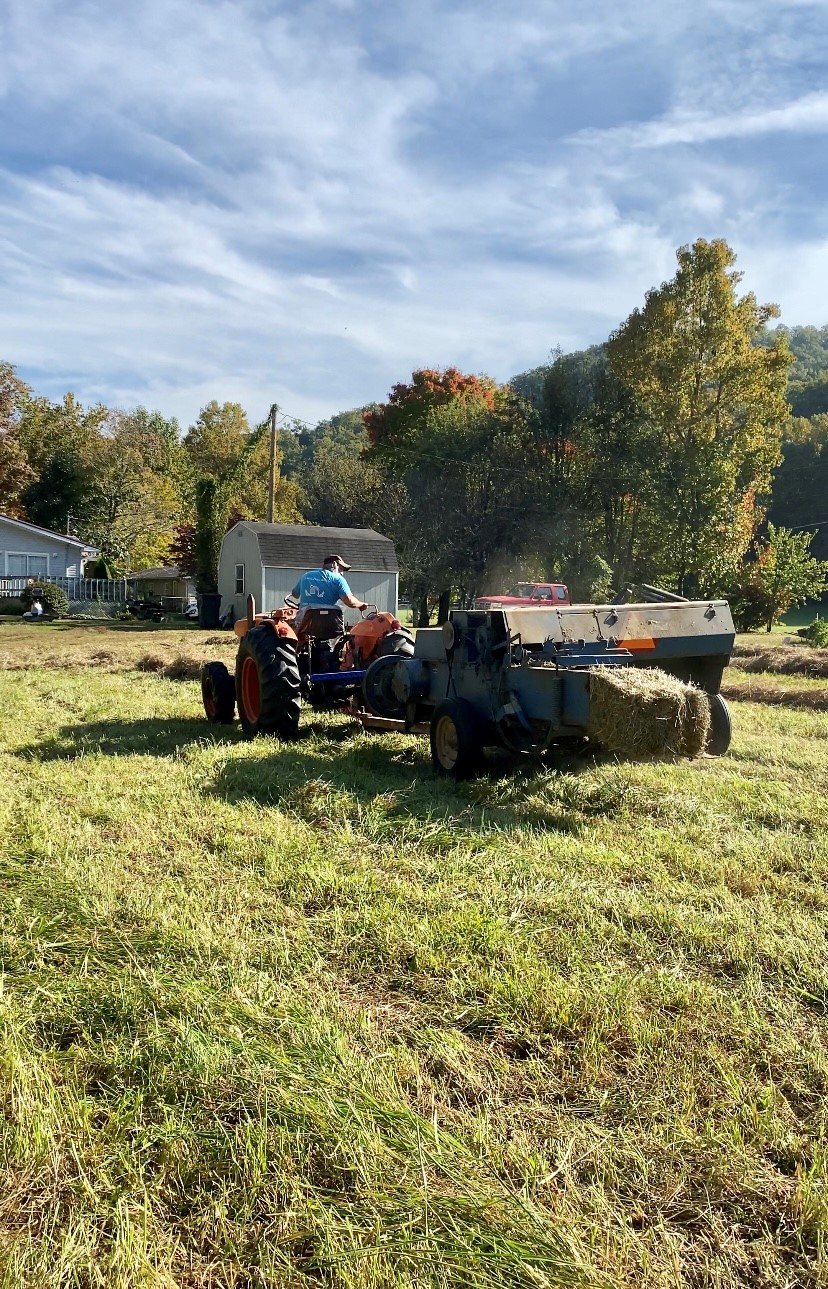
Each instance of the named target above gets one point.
<point>269,559</point>
<point>26,550</point>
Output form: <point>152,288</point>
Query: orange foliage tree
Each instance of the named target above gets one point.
<point>409,404</point>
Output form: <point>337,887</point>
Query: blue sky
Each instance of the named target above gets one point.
<point>251,200</point>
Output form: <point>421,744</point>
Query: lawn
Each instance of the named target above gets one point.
<point>305,1015</point>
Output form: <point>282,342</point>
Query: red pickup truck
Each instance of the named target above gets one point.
<point>546,593</point>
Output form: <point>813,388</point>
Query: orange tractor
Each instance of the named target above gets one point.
<point>280,665</point>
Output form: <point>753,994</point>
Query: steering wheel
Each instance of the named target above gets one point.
<point>370,611</point>
<point>291,601</point>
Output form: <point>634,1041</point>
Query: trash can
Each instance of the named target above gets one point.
<point>209,610</point>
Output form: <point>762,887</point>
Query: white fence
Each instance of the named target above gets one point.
<point>115,590</point>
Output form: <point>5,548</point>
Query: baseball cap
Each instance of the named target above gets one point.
<point>329,559</point>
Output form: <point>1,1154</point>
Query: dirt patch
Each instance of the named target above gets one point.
<point>784,660</point>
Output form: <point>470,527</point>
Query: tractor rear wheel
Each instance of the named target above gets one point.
<point>268,684</point>
<point>718,740</point>
<point>218,693</point>
<point>456,744</point>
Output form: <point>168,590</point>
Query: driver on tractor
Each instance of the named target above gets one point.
<point>324,588</point>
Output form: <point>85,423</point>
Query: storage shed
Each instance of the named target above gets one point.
<point>269,559</point>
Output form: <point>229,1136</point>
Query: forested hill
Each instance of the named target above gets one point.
<point>800,488</point>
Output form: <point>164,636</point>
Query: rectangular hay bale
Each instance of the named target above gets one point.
<point>643,712</point>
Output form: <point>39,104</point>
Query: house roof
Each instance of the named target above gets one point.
<point>304,546</point>
<point>48,532</point>
<point>171,574</point>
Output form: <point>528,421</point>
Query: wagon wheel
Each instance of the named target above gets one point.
<point>456,746</point>
<point>268,684</point>
<point>718,740</point>
<point>218,693</point>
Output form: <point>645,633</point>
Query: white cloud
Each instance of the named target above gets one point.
<point>251,201</point>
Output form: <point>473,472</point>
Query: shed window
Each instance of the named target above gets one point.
<point>240,579</point>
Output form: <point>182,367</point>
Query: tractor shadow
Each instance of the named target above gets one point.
<point>155,736</point>
<point>335,775</point>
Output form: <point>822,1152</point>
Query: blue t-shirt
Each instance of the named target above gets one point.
<point>320,588</point>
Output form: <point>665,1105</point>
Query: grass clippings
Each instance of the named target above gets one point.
<point>304,1015</point>
<point>178,668</point>
<point>784,660</point>
<point>766,688</point>
<point>644,712</point>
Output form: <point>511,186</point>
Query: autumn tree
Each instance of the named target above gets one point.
<point>461,456</point>
<point>390,424</point>
<point>712,406</point>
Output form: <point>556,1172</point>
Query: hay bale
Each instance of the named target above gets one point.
<point>643,712</point>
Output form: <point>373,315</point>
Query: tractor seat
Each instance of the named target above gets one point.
<point>323,624</point>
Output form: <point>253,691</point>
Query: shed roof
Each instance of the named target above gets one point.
<point>170,573</point>
<point>305,546</point>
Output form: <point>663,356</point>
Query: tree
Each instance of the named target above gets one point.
<point>468,492</point>
<point>58,496</point>
<point>342,489</point>
<point>15,472</point>
<point>785,573</point>
<point>216,445</point>
<point>390,424</point>
<point>134,497</point>
<point>46,429</point>
<point>712,403</point>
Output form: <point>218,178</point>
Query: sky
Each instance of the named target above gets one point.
<point>257,201</point>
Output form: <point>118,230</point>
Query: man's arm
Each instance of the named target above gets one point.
<point>346,597</point>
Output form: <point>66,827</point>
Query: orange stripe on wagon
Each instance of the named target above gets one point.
<point>638,646</point>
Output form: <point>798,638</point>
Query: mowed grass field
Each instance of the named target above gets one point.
<point>303,1015</point>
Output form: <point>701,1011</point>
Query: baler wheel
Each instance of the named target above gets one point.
<point>720,727</point>
<point>268,684</point>
<point>218,693</point>
<point>456,747</point>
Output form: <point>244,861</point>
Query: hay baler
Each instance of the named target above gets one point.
<point>529,679</point>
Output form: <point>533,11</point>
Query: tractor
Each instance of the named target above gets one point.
<point>280,665</point>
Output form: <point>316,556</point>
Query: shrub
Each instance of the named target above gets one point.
<point>816,633</point>
<point>54,599</point>
<point>11,604</point>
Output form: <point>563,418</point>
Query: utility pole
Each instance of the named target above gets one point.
<point>271,488</point>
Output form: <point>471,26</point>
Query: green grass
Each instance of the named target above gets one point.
<point>305,1015</point>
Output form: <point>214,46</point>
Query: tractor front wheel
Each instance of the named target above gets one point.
<point>268,684</point>
<point>218,693</point>
<point>456,745</point>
